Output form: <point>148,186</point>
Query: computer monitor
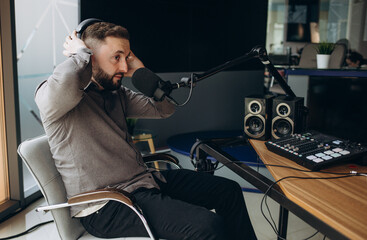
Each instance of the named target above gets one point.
<point>338,106</point>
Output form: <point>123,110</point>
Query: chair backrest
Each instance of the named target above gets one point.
<point>308,56</point>
<point>337,56</point>
<point>37,157</point>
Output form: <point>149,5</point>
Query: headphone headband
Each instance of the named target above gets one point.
<point>84,24</point>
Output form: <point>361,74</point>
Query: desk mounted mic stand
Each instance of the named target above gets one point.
<point>256,52</point>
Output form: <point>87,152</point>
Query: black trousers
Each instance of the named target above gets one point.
<point>179,210</point>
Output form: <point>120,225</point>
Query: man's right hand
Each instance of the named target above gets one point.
<point>72,44</point>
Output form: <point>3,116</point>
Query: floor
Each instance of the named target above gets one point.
<point>297,229</point>
<point>24,220</point>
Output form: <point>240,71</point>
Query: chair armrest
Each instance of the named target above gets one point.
<point>94,196</point>
<point>160,156</point>
<point>100,195</point>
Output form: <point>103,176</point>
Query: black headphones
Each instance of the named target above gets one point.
<point>84,24</point>
<point>202,164</point>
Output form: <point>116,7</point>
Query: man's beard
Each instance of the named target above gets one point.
<point>106,80</point>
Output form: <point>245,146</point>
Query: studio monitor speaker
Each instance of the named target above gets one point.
<point>258,116</point>
<point>287,116</point>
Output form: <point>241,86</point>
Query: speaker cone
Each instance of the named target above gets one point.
<point>255,126</point>
<point>282,127</point>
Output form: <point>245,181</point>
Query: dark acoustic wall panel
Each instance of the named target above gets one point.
<point>187,36</point>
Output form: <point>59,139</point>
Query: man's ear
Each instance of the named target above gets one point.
<point>93,59</point>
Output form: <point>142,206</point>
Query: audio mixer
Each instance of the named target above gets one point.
<point>315,150</point>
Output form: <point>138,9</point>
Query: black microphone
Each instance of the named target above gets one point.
<point>151,85</point>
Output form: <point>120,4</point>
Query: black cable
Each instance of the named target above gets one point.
<point>297,169</point>
<point>293,168</point>
<point>27,231</point>
<point>190,93</point>
<point>264,199</point>
<point>288,177</point>
<point>303,170</point>
<point>271,217</point>
<point>271,225</point>
<point>312,235</point>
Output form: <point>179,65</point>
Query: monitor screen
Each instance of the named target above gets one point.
<point>338,106</point>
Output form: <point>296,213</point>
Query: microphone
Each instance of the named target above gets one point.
<point>152,85</point>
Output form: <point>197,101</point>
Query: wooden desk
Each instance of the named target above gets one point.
<point>335,207</point>
<point>341,203</point>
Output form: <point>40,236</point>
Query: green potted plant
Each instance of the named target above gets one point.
<point>324,50</point>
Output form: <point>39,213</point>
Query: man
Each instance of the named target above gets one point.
<point>83,108</point>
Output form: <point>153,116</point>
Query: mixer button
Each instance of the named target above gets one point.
<point>311,157</point>
<point>337,149</point>
<point>320,155</point>
<point>335,155</point>
<point>317,160</point>
<point>345,152</point>
<point>327,157</point>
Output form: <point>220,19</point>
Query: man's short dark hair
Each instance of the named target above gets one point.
<point>98,32</point>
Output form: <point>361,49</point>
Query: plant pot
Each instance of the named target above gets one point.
<point>323,60</point>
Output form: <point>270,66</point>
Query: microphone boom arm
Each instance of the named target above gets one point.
<point>256,52</point>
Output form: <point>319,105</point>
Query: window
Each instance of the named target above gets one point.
<point>293,23</point>
<point>40,34</point>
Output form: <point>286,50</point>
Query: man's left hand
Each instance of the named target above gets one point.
<point>133,64</point>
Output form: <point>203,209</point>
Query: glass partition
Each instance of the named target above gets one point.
<point>293,23</point>
<point>40,34</point>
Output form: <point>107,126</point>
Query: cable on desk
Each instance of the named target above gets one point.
<point>264,199</point>
<point>352,173</point>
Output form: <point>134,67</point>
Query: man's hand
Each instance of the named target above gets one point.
<point>133,64</point>
<point>72,44</point>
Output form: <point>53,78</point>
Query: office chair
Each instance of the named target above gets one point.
<point>308,56</point>
<point>37,156</point>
